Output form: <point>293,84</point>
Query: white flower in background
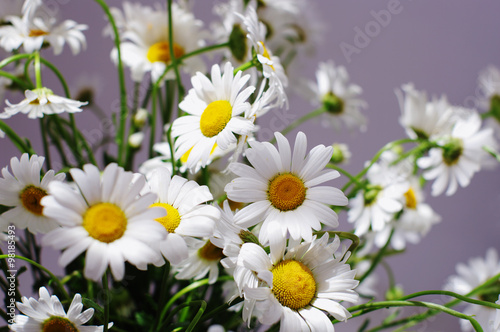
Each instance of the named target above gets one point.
<point>34,32</point>
<point>422,118</point>
<point>187,214</point>
<point>338,97</point>
<point>30,7</point>
<point>47,314</point>
<point>23,190</point>
<point>106,218</point>
<point>489,85</point>
<point>135,140</point>
<point>382,198</point>
<point>215,107</point>
<point>284,188</point>
<point>471,275</point>
<point>42,101</point>
<point>298,284</point>
<point>459,156</point>
<point>145,39</point>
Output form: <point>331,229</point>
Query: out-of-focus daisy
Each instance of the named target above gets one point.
<point>341,100</point>
<point>30,7</point>
<point>471,275</point>
<point>214,107</point>
<point>33,33</point>
<point>187,214</point>
<point>341,153</point>
<point>459,156</point>
<point>145,47</point>
<point>299,284</point>
<point>489,85</point>
<point>43,101</point>
<point>47,314</point>
<point>284,188</point>
<point>376,205</point>
<point>422,118</point>
<point>106,218</point>
<point>23,190</point>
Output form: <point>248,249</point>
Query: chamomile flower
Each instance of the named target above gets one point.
<point>145,47</point>
<point>23,190</point>
<point>214,107</point>
<point>187,214</point>
<point>471,275</point>
<point>47,314</point>
<point>106,218</point>
<point>34,32</point>
<point>459,156</point>
<point>284,188</point>
<point>338,97</point>
<point>43,101</point>
<point>299,284</point>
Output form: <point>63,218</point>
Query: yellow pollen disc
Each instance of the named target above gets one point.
<point>411,199</point>
<point>58,324</point>
<point>172,220</point>
<point>105,222</point>
<point>215,117</point>
<point>31,197</point>
<point>185,156</point>
<point>293,284</point>
<point>265,54</point>
<point>37,33</point>
<point>286,192</point>
<point>161,52</point>
<point>210,252</point>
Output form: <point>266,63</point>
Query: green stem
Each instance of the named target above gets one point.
<point>15,79</point>
<point>346,173</point>
<point>14,58</point>
<point>451,294</point>
<point>46,149</point>
<point>38,71</point>
<point>301,120</point>
<point>202,50</point>
<point>18,141</point>
<point>120,140</point>
<point>377,258</point>
<point>105,288</point>
<point>172,152</point>
<point>245,66</point>
<point>41,267</point>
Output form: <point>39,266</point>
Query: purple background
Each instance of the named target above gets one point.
<point>440,46</point>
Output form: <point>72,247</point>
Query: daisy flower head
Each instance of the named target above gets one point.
<point>284,188</point>
<point>471,275</point>
<point>214,110</point>
<point>338,97</point>
<point>106,218</point>
<point>422,118</point>
<point>187,214</point>
<point>23,191</point>
<point>300,284</point>
<point>145,44</point>
<point>459,155</point>
<point>42,101</point>
<point>33,32</point>
<point>47,314</point>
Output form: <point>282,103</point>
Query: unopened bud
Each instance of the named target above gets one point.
<point>135,140</point>
<point>141,117</point>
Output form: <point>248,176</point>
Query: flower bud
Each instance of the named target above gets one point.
<point>135,140</point>
<point>141,117</point>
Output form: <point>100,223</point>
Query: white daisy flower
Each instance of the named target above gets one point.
<point>187,214</point>
<point>34,32</point>
<point>106,217</point>
<point>283,188</point>
<point>338,97</point>
<point>214,107</point>
<point>23,190</point>
<point>47,314</point>
<point>145,46</point>
<point>376,205</point>
<point>43,101</point>
<point>299,284</point>
<point>459,156</point>
<point>471,275</point>
<point>422,118</point>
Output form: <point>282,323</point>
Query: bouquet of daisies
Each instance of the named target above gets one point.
<point>211,227</point>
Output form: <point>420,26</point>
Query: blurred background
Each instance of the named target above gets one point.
<point>440,46</point>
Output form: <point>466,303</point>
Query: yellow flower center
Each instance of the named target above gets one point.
<point>37,33</point>
<point>265,53</point>
<point>31,197</point>
<point>172,220</point>
<point>161,52</point>
<point>58,324</point>
<point>411,199</point>
<point>105,222</point>
<point>215,117</point>
<point>286,192</point>
<point>185,156</point>
<point>210,252</point>
<point>293,284</point>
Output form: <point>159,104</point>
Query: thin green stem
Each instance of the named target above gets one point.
<point>451,294</point>
<point>301,120</point>
<point>203,50</point>
<point>14,58</point>
<point>46,149</point>
<point>245,66</point>
<point>346,173</point>
<point>18,141</point>
<point>377,258</point>
<point>15,79</point>
<point>107,300</point>
<point>38,71</point>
